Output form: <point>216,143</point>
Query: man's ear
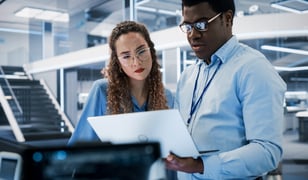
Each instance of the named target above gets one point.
<point>228,15</point>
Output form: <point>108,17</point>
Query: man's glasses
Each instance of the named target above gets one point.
<point>142,55</point>
<point>199,26</point>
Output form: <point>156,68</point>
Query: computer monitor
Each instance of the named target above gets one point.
<point>93,161</point>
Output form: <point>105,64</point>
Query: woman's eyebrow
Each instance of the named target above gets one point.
<point>124,52</point>
<point>138,48</point>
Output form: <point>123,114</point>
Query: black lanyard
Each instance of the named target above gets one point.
<point>194,105</point>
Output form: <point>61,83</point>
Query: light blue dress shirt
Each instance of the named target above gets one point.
<point>96,105</point>
<point>240,113</point>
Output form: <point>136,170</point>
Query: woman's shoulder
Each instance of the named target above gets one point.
<point>101,83</point>
<point>99,86</point>
<point>168,92</point>
<point>170,97</point>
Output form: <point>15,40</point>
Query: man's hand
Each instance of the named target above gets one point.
<point>187,164</point>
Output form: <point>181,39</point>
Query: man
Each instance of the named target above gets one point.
<point>231,99</point>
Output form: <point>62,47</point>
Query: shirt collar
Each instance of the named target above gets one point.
<point>225,51</point>
<point>138,108</point>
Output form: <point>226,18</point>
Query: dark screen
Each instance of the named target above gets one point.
<point>112,162</point>
<point>8,168</point>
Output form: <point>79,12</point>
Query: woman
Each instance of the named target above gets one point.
<point>134,82</point>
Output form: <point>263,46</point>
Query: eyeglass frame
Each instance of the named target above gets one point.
<point>193,25</point>
<point>136,55</point>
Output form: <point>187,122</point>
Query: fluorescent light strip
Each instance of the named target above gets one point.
<point>282,49</point>
<point>142,2</point>
<point>290,69</point>
<point>149,9</point>
<point>271,34</point>
<point>287,50</point>
<point>281,6</point>
<point>20,31</point>
<point>288,9</point>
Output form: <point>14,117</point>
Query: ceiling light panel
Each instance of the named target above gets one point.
<point>295,6</point>
<point>41,14</point>
<point>63,17</point>
<point>28,12</point>
<point>48,15</point>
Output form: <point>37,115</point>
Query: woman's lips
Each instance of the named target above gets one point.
<point>140,70</point>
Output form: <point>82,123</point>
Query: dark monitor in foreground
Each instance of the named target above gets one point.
<point>112,162</point>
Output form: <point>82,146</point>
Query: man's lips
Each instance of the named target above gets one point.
<point>140,70</point>
<point>196,46</point>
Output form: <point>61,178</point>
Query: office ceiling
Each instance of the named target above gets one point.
<point>100,16</point>
<point>156,13</point>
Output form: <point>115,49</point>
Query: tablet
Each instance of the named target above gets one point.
<point>163,126</point>
<point>10,165</point>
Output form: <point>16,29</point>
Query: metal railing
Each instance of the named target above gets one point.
<point>57,106</point>
<point>11,118</point>
<point>4,81</point>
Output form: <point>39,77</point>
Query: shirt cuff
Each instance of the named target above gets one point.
<point>211,167</point>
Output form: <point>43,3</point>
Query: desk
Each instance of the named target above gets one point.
<point>302,125</point>
<point>291,121</point>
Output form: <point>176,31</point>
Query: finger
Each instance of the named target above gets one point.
<point>170,158</point>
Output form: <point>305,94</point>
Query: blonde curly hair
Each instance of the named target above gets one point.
<point>118,97</point>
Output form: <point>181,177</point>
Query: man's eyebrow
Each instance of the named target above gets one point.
<point>198,20</point>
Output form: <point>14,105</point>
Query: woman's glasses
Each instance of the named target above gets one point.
<point>141,55</point>
<point>199,26</point>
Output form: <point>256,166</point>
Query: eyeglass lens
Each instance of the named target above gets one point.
<point>200,26</point>
<point>141,55</point>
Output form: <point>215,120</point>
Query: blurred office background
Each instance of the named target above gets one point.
<point>62,44</point>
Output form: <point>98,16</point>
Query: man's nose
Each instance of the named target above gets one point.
<point>194,33</point>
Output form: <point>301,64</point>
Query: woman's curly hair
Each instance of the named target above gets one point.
<point>118,94</point>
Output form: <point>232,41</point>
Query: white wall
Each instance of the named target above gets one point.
<point>14,48</point>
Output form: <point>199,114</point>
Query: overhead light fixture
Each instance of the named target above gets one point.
<point>283,49</point>
<point>64,17</point>
<point>253,8</point>
<point>47,15</point>
<point>28,12</point>
<point>161,11</point>
<point>142,2</point>
<point>42,14</point>
<point>291,69</point>
<point>295,6</point>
